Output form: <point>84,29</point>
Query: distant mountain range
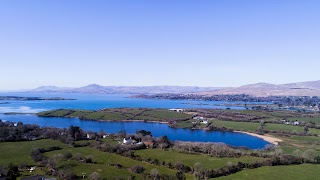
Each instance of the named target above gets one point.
<point>309,88</point>
<point>98,89</point>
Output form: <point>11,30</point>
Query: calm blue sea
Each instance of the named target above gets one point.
<point>94,102</point>
<point>157,129</point>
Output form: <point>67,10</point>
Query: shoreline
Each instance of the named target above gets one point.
<point>270,139</point>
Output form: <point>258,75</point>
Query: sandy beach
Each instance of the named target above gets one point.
<point>268,138</point>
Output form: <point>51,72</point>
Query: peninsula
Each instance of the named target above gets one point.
<point>19,98</point>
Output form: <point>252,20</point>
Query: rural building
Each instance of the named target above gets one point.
<point>148,144</point>
<point>176,110</point>
<point>204,122</point>
<point>129,141</point>
<point>105,136</point>
<point>296,123</point>
<point>91,136</point>
<point>198,118</point>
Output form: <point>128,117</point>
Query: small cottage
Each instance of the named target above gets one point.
<point>296,123</point>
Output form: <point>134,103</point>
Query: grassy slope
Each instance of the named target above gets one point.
<point>301,172</point>
<point>312,119</point>
<point>190,159</point>
<point>119,114</point>
<point>246,126</point>
<point>19,152</point>
<point>103,160</point>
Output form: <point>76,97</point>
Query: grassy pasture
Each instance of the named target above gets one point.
<point>301,172</point>
<point>119,114</point>
<point>190,159</point>
<point>19,152</point>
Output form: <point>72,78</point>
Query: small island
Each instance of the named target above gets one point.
<point>20,98</point>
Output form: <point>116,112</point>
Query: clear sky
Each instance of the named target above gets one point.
<point>158,42</point>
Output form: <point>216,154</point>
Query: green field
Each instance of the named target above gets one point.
<point>190,159</point>
<point>119,114</point>
<point>242,126</point>
<point>306,139</point>
<point>19,152</point>
<point>102,163</point>
<point>301,172</point>
<point>307,119</point>
<point>283,127</point>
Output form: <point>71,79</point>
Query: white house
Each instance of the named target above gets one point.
<point>105,136</point>
<point>283,121</point>
<point>204,122</point>
<point>198,118</point>
<point>90,136</point>
<point>177,110</point>
<point>128,141</point>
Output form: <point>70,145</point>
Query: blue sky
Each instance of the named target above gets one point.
<point>158,42</point>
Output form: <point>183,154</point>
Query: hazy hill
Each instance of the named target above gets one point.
<point>98,89</point>
<point>309,88</point>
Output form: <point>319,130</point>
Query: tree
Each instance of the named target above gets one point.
<point>36,155</point>
<point>3,170</point>
<point>122,134</point>
<point>78,157</point>
<point>67,155</point>
<point>89,158</point>
<point>297,153</point>
<point>75,132</point>
<point>13,171</point>
<point>138,169</point>
<point>154,173</point>
<point>305,130</point>
<point>178,165</point>
<point>309,155</point>
<point>199,171</point>
<point>278,151</point>
<point>94,176</point>
<point>66,174</point>
<point>180,175</point>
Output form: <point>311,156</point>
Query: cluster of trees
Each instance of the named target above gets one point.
<point>299,101</point>
<point>155,174</point>
<point>275,158</point>
<point>52,162</point>
<point>10,171</point>
<point>211,149</point>
<point>126,149</point>
<point>10,131</point>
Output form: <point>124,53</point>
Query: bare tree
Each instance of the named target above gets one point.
<point>154,173</point>
<point>94,176</point>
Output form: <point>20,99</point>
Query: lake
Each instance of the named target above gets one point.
<point>157,129</point>
<point>94,102</point>
<point>98,101</point>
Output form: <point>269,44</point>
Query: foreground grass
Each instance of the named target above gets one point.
<point>103,163</point>
<point>19,152</point>
<point>174,156</point>
<point>302,172</point>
